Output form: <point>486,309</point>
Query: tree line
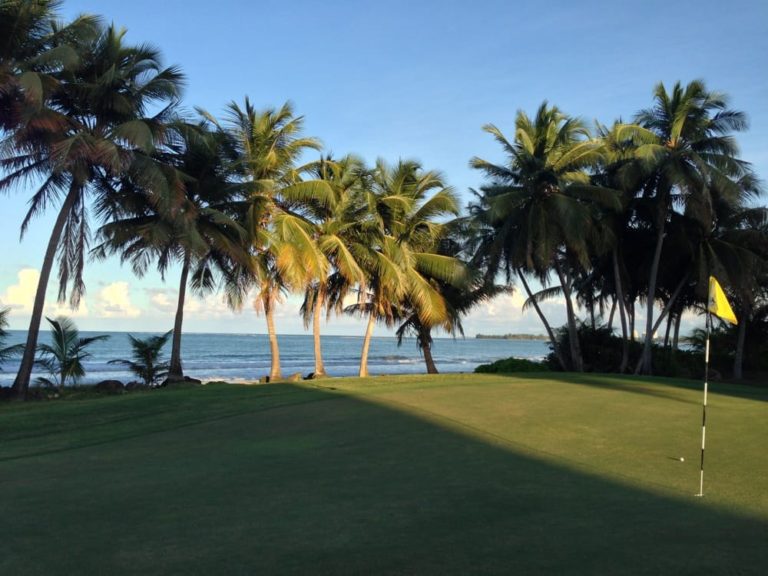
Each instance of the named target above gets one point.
<point>615,218</point>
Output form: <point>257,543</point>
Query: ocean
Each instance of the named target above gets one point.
<point>245,357</point>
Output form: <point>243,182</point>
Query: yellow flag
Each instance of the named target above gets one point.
<point>718,303</point>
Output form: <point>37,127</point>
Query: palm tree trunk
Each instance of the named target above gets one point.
<point>622,312</point>
<point>269,313</point>
<point>426,348</point>
<point>547,327</point>
<point>646,360</point>
<point>319,366</point>
<point>21,383</point>
<point>738,361</point>
<point>366,346</point>
<point>175,371</point>
<point>670,318</point>
<point>631,315</point>
<point>664,312</point>
<point>612,314</point>
<point>573,333</point>
<point>676,337</point>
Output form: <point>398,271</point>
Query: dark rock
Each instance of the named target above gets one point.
<point>109,386</point>
<point>136,386</point>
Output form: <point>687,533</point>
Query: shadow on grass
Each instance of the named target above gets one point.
<point>635,385</point>
<point>325,483</point>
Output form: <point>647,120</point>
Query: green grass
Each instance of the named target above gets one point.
<point>458,474</point>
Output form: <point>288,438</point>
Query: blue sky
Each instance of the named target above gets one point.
<point>407,80</point>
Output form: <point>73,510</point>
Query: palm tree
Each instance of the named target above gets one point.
<point>6,352</point>
<point>267,147</point>
<point>147,362</point>
<point>402,260</point>
<point>34,48</point>
<point>64,356</point>
<point>693,154</point>
<point>92,126</point>
<point>460,297</point>
<point>336,234</point>
<point>194,225</point>
<point>542,206</point>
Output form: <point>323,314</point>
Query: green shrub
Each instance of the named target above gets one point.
<point>511,365</point>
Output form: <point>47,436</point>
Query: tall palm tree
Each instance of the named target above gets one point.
<point>337,235</point>
<point>405,204</point>
<point>542,205</point>
<point>194,225</point>
<point>693,154</point>
<point>267,148</point>
<point>34,49</point>
<point>93,125</point>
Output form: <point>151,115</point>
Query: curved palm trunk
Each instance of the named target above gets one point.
<point>175,371</point>
<point>646,359</point>
<point>573,333</point>
<point>366,346</point>
<point>21,383</point>
<point>676,337</point>
<point>319,365</point>
<point>426,348</point>
<point>622,313</point>
<point>547,327</point>
<point>738,361</point>
<point>668,331</point>
<point>612,314</point>
<point>666,310</point>
<point>269,313</point>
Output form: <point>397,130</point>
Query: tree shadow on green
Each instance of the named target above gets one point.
<point>328,483</point>
<point>648,385</point>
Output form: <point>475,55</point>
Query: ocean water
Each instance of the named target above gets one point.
<point>245,357</point>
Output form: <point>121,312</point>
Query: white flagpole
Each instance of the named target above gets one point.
<point>704,408</point>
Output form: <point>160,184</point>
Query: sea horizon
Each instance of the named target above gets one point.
<point>245,357</point>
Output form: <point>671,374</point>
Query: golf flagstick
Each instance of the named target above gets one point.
<point>717,304</point>
<point>704,407</point>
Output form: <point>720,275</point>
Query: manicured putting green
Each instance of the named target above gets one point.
<point>452,474</point>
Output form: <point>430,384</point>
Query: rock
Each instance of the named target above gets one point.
<point>135,385</point>
<point>109,386</point>
<point>297,377</point>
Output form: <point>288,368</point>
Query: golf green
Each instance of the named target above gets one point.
<point>449,474</point>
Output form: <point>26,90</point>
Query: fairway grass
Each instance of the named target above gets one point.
<point>447,474</point>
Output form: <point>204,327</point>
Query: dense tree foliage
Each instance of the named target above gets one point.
<point>611,221</point>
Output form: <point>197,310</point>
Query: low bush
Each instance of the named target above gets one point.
<point>511,365</point>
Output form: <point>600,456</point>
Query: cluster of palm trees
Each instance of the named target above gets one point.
<point>633,214</point>
<point>94,123</point>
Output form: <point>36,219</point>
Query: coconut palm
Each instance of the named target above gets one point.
<point>337,235</point>
<point>34,49</point>
<point>474,287</point>
<point>6,352</point>
<point>147,362</point>
<point>267,146</point>
<point>542,205</point>
<point>405,203</point>
<point>64,356</point>
<point>694,154</point>
<point>193,226</point>
<point>93,125</point>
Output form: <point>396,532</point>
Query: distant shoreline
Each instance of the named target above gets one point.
<point>511,337</point>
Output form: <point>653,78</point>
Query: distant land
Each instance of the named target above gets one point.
<point>512,336</point>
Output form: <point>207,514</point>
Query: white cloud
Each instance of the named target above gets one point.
<point>21,296</point>
<point>114,301</point>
